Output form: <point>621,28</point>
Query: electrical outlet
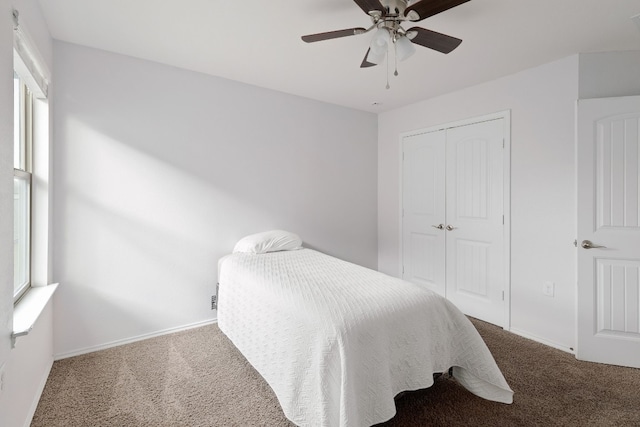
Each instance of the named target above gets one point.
<point>548,289</point>
<point>214,302</point>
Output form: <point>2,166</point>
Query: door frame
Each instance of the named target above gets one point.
<point>506,193</point>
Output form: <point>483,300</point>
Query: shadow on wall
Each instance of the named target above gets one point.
<point>159,171</point>
<point>123,274</point>
<point>292,163</point>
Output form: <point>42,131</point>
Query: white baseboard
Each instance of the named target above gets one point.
<point>133,339</point>
<point>542,341</point>
<point>38,394</point>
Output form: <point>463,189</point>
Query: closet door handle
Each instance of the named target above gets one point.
<point>450,227</point>
<point>439,226</point>
<point>588,245</point>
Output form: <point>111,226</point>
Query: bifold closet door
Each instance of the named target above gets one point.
<point>475,261</point>
<point>423,193</point>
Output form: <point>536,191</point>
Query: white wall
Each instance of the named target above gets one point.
<point>159,171</point>
<point>29,365</point>
<point>608,74</point>
<point>542,103</point>
<point>26,367</point>
<point>6,181</point>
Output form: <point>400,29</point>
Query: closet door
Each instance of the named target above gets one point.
<point>423,201</point>
<point>475,270</point>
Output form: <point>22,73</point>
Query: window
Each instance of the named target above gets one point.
<point>30,164</point>
<point>22,171</point>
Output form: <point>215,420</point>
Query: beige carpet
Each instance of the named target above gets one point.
<point>198,378</point>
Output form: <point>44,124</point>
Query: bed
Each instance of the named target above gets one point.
<point>337,342</point>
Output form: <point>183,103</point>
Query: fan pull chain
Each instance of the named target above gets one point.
<point>395,58</point>
<point>388,67</point>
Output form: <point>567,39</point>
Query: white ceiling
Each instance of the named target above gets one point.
<point>258,41</point>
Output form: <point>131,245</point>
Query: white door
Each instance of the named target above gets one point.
<point>608,153</point>
<point>452,224</point>
<point>423,192</point>
<point>475,220</point>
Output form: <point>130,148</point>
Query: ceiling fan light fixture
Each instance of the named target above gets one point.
<point>388,16</point>
<point>404,48</point>
<point>380,41</point>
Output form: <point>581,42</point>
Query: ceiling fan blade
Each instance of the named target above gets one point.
<point>370,5</point>
<point>333,34</point>
<point>365,63</point>
<point>433,40</point>
<point>426,8</point>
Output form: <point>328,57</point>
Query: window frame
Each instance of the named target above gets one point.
<point>23,170</point>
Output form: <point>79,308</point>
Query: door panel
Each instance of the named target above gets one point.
<point>423,204</point>
<point>424,247</point>
<point>609,217</point>
<point>471,178</point>
<point>617,303</point>
<point>617,172</point>
<point>472,267</point>
<point>474,244</point>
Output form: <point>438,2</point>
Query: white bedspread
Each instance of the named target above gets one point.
<point>336,342</point>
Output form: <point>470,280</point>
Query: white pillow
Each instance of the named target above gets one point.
<point>269,241</point>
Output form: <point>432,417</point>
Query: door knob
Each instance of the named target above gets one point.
<point>439,226</point>
<point>450,227</point>
<point>588,245</point>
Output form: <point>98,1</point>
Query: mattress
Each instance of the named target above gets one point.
<point>336,341</point>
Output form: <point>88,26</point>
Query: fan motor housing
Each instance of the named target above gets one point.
<point>394,7</point>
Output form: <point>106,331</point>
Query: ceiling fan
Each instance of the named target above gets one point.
<point>388,17</point>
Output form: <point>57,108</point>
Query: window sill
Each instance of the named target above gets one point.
<point>29,308</point>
